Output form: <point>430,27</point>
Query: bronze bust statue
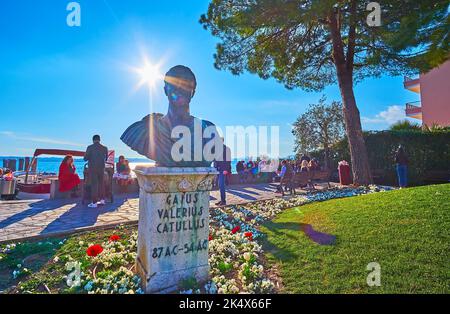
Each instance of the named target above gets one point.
<point>152,136</point>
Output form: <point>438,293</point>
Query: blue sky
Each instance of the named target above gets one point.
<point>59,85</point>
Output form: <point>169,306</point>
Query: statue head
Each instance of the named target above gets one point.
<point>180,84</point>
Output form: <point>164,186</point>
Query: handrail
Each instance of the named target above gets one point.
<point>409,79</point>
<point>413,105</point>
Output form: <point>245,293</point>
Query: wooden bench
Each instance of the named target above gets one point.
<point>308,178</point>
<point>301,179</point>
<point>56,194</point>
<point>322,176</point>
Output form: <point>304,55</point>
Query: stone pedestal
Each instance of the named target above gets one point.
<point>173,226</point>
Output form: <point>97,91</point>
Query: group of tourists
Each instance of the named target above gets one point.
<point>288,168</point>
<point>96,156</point>
<point>250,169</point>
<point>303,164</point>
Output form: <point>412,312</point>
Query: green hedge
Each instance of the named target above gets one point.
<point>426,151</point>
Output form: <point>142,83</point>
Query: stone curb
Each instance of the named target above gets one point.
<point>115,224</point>
<point>102,227</point>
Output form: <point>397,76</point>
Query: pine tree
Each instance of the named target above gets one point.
<point>310,44</point>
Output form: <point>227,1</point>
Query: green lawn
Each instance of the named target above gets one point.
<point>406,231</point>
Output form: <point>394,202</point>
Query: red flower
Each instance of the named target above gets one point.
<point>114,238</point>
<point>249,235</point>
<point>94,250</point>
<point>235,229</point>
<point>210,237</point>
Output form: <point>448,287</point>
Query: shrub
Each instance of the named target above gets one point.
<point>426,150</point>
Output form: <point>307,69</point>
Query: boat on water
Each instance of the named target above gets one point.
<point>33,184</point>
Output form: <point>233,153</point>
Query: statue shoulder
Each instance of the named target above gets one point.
<point>136,136</point>
<point>155,116</point>
<point>142,125</point>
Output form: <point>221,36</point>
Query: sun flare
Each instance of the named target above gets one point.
<point>150,74</point>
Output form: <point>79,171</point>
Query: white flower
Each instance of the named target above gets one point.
<point>16,273</point>
<point>247,256</point>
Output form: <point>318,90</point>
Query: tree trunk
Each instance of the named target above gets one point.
<point>327,162</point>
<point>326,149</point>
<point>358,152</point>
<point>344,70</point>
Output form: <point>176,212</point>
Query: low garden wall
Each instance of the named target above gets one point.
<point>233,179</point>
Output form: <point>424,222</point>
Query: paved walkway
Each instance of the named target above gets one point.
<point>41,218</point>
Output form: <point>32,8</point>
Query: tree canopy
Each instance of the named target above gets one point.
<point>291,41</point>
<point>320,127</point>
<point>313,43</point>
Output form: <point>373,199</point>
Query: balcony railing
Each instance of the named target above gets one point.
<point>413,84</point>
<point>413,109</point>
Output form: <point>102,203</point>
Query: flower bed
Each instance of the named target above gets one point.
<point>104,261</point>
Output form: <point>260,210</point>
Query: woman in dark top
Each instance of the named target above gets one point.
<point>401,166</point>
<point>123,174</point>
<point>122,166</point>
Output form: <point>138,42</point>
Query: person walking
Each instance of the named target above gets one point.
<point>223,167</point>
<point>285,178</point>
<point>248,170</point>
<point>96,156</point>
<point>255,169</point>
<point>240,169</point>
<point>401,166</point>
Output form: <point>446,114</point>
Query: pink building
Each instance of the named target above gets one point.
<point>434,90</point>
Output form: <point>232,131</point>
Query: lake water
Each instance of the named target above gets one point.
<point>51,164</point>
